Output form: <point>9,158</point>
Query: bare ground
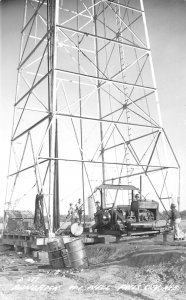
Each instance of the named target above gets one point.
<point>141,269</point>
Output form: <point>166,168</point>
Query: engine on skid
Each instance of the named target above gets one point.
<point>140,215</point>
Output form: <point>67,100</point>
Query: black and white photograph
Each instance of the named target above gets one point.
<point>93,149</point>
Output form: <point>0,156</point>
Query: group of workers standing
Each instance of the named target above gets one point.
<point>75,213</point>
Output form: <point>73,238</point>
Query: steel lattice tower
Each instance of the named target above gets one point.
<point>86,105</point>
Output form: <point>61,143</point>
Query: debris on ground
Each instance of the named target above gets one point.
<point>127,270</point>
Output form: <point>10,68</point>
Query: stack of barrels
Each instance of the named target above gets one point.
<point>71,254</point>
<point>57,254</point>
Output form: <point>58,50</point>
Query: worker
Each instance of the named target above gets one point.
<point>136,197</point>
<point>98,206</point>
<point>79,210</point>
<point>70,214</point>
<point>97,215</point>
<point>175,219</point>
<point>76,214</point>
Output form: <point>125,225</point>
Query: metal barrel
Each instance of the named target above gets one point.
<point>77,254</point>
<point>64,254</point>
<point>76,229</point>
<point>60,242</point>
<point>57,263</point>
<point>52,246</point>
<point>54,254</point>
<point>56,259</point>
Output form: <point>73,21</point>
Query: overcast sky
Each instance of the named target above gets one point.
<point>166,20</point>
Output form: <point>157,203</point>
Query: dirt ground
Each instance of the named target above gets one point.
<point>130,269</point>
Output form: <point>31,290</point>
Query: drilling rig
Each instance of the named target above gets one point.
<point>86,112</point>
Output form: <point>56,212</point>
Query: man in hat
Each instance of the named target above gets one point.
<point>137,197</point>
<point>175,219</point>
<point>70,213</point>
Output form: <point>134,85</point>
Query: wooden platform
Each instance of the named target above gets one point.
<point>24,240</point>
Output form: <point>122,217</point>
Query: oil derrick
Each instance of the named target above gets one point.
<point>86,107</point>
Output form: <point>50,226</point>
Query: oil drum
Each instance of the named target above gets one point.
<point>76,229</point>
<point>57,263</point>
<point>52,246</point>
<point>54,254</point>
<point>77,254</point>
<point>64,255</point>
<point>60,242</point>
